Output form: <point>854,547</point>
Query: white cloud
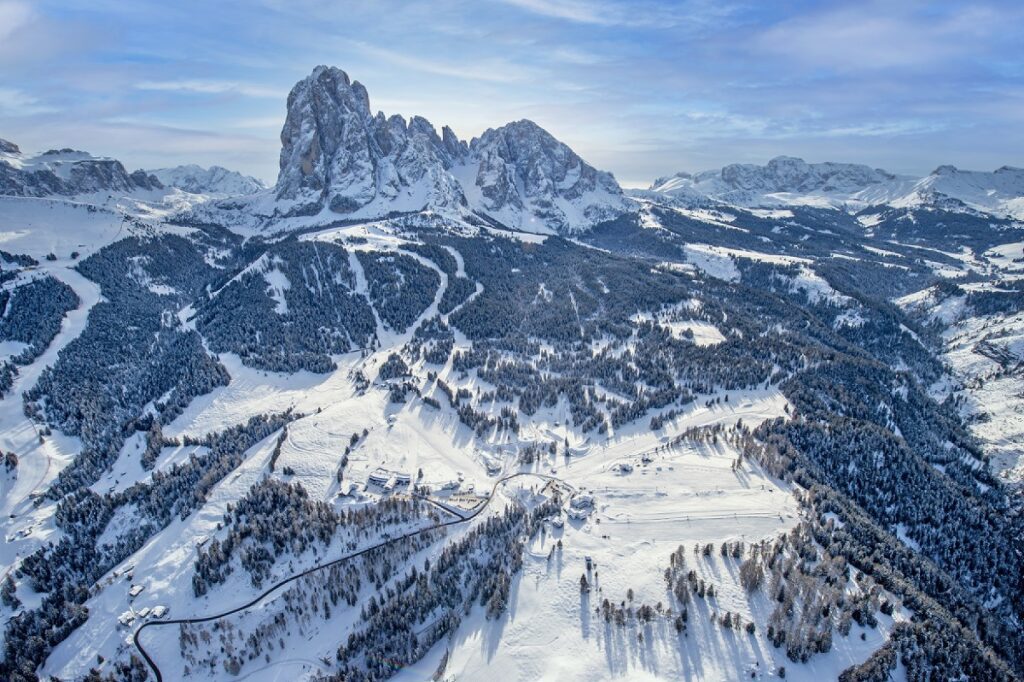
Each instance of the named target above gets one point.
<point>879,36</point>
<point>569,55</point>
<point>573,10</point>
<point>674,15</point>
<point>15,102</point>
<point>881,129</point>
<point>258,122</point>
<point>489,70</point>
<point>211,87</point>
<point>14,15</point>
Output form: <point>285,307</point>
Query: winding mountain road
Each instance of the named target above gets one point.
<point>319,567</point>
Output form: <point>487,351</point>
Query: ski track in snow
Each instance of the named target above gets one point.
<point>27,527</point>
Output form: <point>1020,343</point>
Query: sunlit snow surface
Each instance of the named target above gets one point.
<point>687,493</point>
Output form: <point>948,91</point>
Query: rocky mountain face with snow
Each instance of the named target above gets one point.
<point>788,181</point>
<point>1000,192</point>
<point>782,179</point>
<point>213,180</point>
<point>67,172</point>
<point>338,156</point>
<point>524,177</point>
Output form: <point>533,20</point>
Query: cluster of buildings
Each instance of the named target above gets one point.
<point>388,480</point>
<point>129,617</point>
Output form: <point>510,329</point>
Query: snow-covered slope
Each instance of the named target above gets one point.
<point>213,180</point>
<point>338,156</point>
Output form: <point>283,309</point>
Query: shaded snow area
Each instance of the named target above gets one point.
<point>685,495</point>
<point>1008,259</point>
<point>39,227</point>
<point>722,262</point>
<point>26,525</point>
<point>714,261</point>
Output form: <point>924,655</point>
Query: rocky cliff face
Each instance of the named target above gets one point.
<point>789,174</point>
<point>337,155</point>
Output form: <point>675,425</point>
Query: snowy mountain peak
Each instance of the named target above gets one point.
<point>338,156</point>
<point>213,180</point>
<point>1000,192</point>
<point>790,181</point>
<point>524,176</point>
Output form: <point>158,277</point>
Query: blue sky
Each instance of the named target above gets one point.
<point>637,87</point>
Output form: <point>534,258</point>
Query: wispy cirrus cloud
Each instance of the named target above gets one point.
<point>14,15</point>
<point>14,102</point>
<point>210,87</point>
<point>491,70</point>
<point>572,10</point>
<point>629,13</point>
<point>876,35</point>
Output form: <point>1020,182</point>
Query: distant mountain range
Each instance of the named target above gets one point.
<point>69,172</point>
<point>788,181</point>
